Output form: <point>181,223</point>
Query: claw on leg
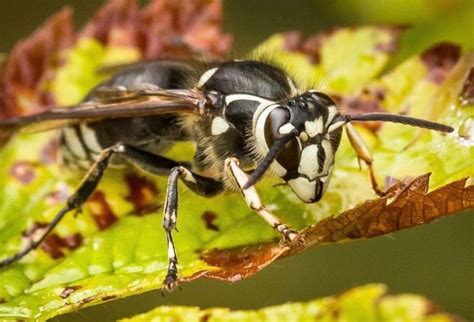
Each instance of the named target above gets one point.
<point>373,182</point>
<point>290,236</point>
<point>252,199</point>
<point>170,283</point>
<point>363,154</point>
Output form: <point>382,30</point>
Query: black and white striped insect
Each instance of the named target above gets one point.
<point>247,119</point>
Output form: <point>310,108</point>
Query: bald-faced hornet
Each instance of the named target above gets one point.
<point>247,119</point>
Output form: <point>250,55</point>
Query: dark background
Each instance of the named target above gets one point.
<point>435,260</point>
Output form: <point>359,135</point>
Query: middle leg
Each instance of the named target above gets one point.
<point>158,165</point>
<point>200,185</point>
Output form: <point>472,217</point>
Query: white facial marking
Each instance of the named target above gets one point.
<point>329,156</point>
<point>205,77</point>
<point>304,189</point>
<point>332,111</point>
<point>314,128</point>
<point>319,124</point>
<point>285,129</point>
<point>219,126</point>
<point>308,164</point>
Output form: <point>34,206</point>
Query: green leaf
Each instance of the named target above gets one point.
<point>118,247</point>
<point>81,71</point>
<point>341,60</point>
<point>366,303</point>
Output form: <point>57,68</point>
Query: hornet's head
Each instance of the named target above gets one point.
<point>299,138</point>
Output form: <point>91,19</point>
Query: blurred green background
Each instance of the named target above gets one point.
<point>435,260</point>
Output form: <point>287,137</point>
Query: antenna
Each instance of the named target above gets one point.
<point>402,119</point>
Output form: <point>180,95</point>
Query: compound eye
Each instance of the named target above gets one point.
<point>289,156</point>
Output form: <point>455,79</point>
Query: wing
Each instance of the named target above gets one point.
<point>109,102</point>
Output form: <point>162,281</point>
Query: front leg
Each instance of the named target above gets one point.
<point>363,154</point>
<point>254,202</point>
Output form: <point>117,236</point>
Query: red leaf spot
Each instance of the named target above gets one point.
<point>72,241</point>
<point>100,210</point>
<point>439,60</point>
<point>23,171</point>
<point>209,217</point>
<point>143,194</point>
<point>49,153</point>
<point>59,195</point>
<point>52,245</point>
<point>368,101</point>
<point>311,46</point>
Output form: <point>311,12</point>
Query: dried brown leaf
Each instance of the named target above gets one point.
<point>410,205</point>
<point>164,28</point>
<point>115,23</point>
<point>169,28</point>
<point>32,63</point>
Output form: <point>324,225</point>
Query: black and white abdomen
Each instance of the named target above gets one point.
<point>79,146</point>
<point>82,143</point>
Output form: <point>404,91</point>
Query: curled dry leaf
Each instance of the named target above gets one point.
<point>411,206</point>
